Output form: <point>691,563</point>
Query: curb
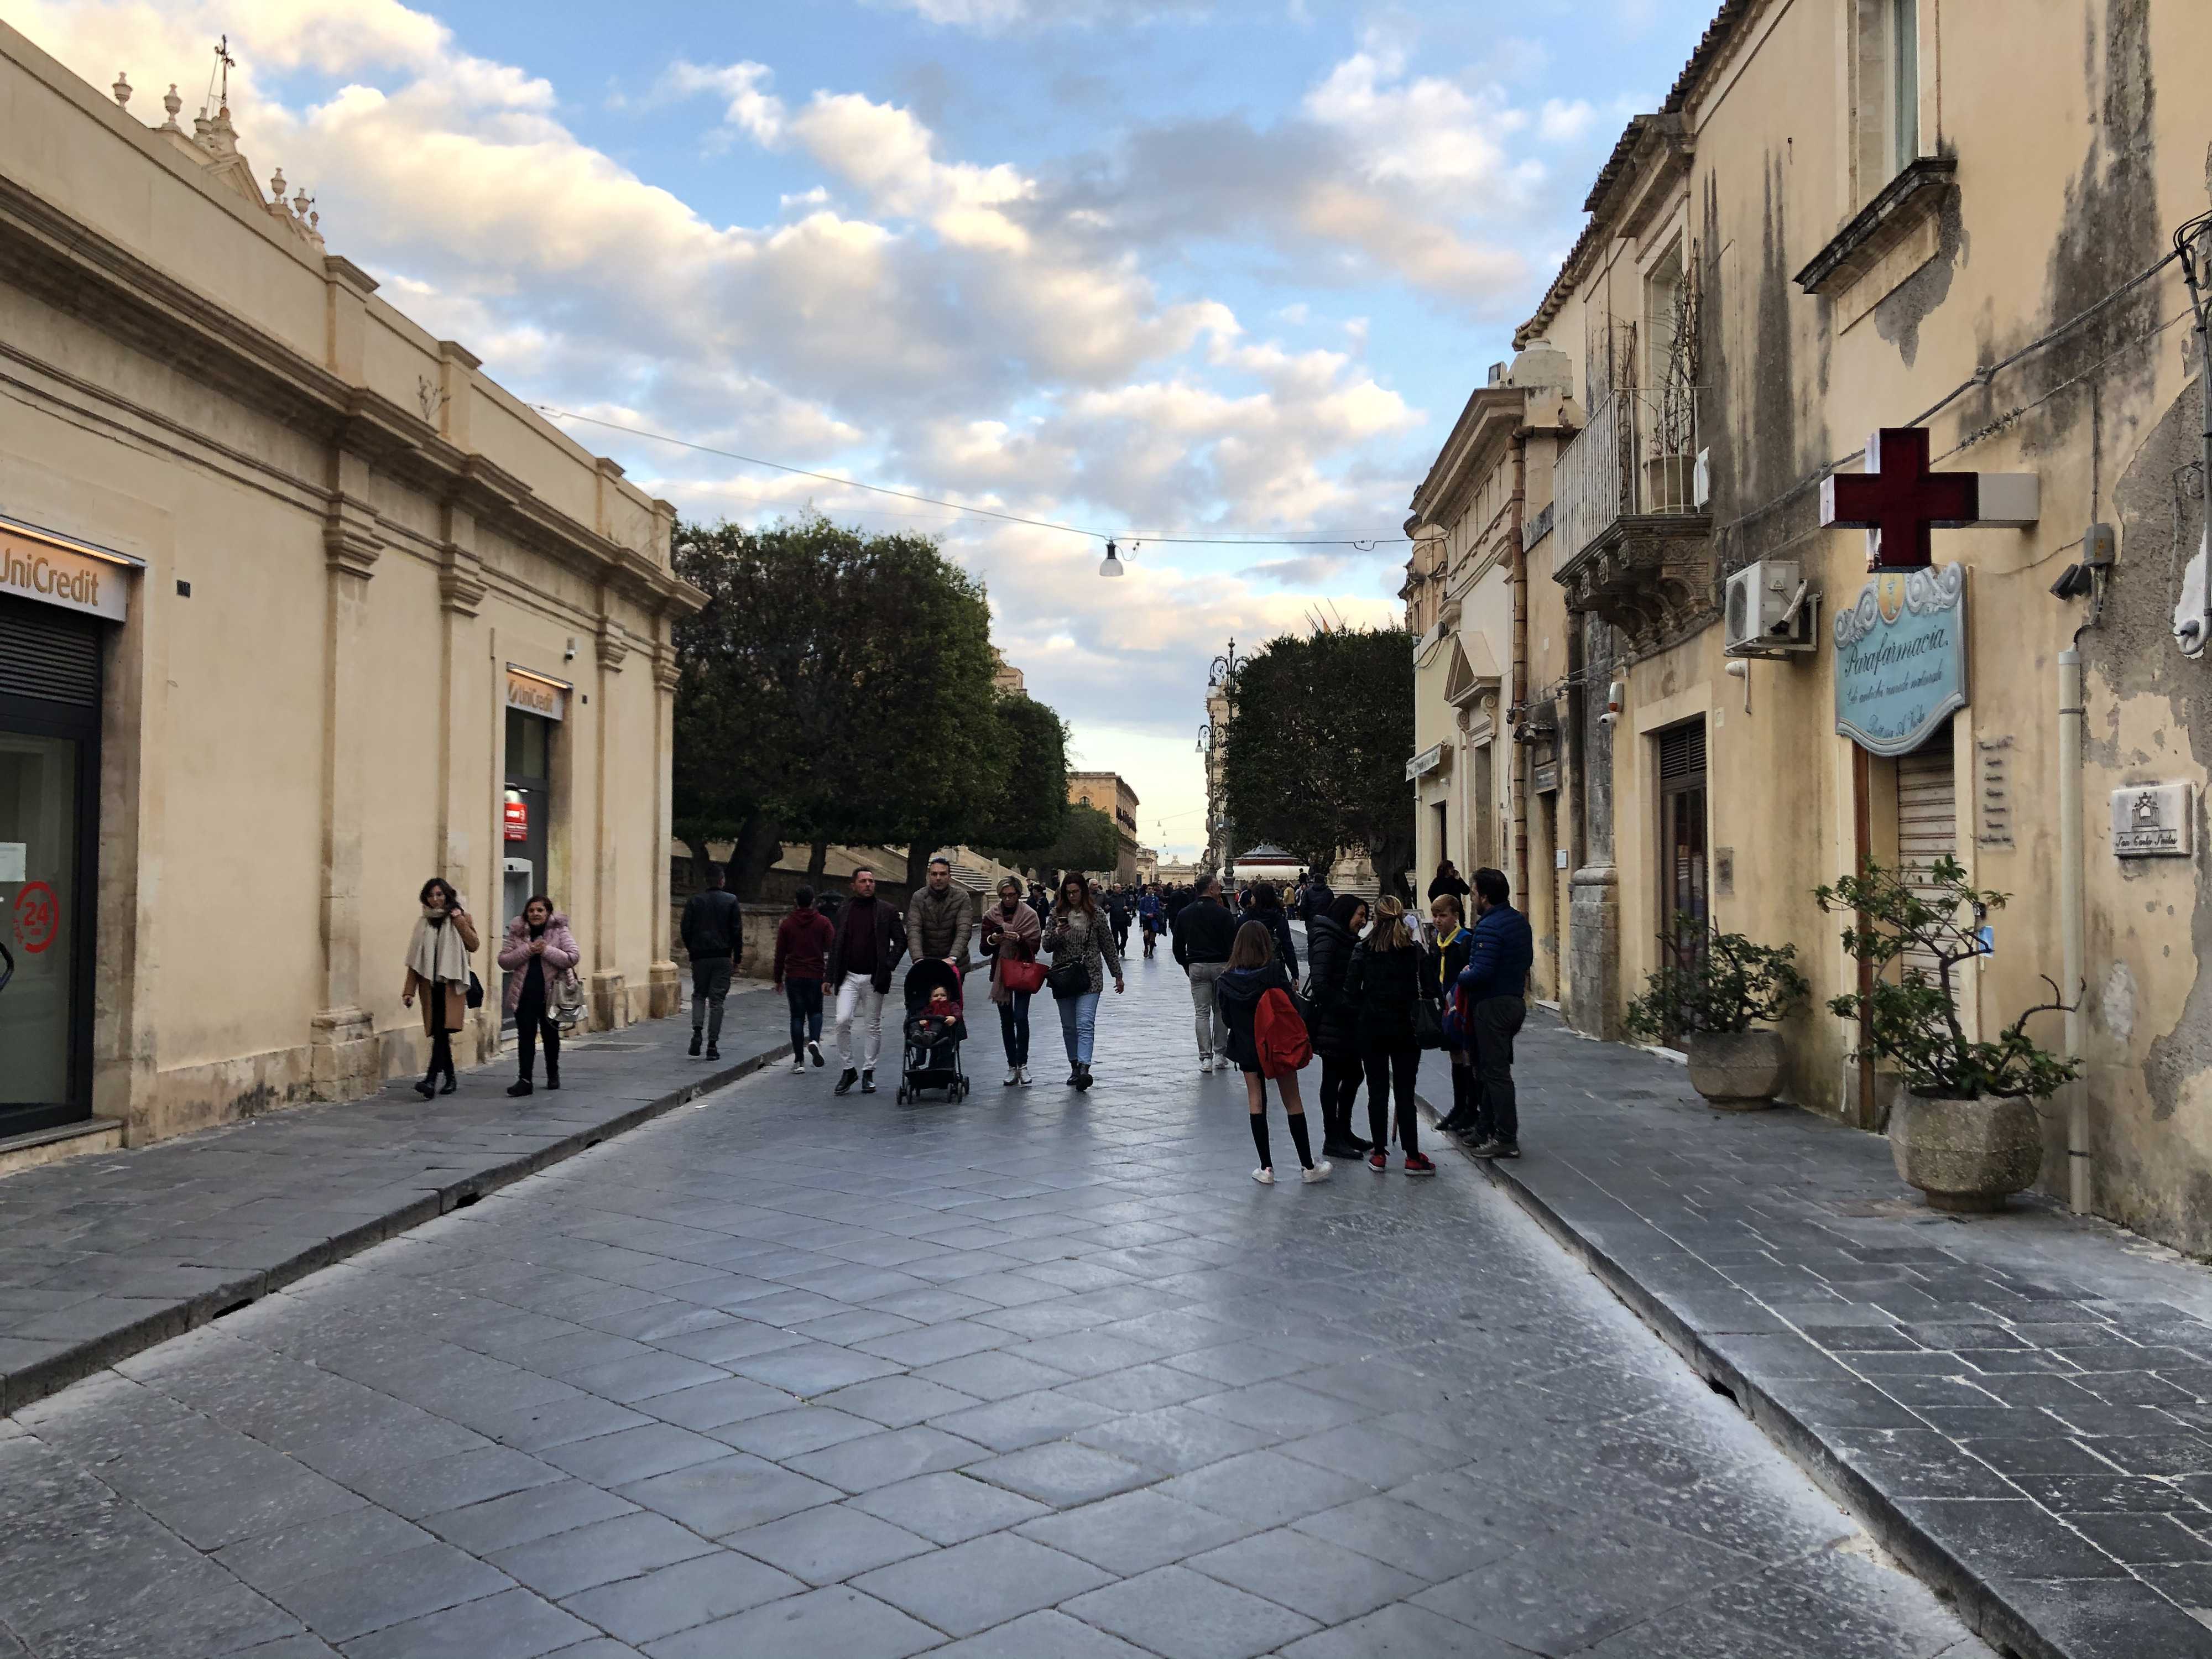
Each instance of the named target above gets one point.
<point>56,1372</point>
<point>1980,1605</point>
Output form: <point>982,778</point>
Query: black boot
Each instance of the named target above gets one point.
<point>1462,1118</point>
<point>428,1086</point>
<point>520,1086</point>
<point>451,1083</point>
<point>552,1073</point>
<point>697,1037</point>
<point>1082,1075</point>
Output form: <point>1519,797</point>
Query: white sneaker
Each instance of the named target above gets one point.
<point>814,1052</point>
<point>1014,1076</point>
<point>1022,1074</point>
<point>1319,1172</point>
<point>799,1068</point>
<point>1205,1062</point>
<point>1265,1177</point>
<point>1221,1059</point>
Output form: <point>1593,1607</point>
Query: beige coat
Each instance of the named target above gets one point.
<point>456,998</point>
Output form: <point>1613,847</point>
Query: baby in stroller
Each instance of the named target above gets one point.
<point>935,1029</point>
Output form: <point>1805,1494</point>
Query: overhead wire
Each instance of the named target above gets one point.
<point>1363,544</point>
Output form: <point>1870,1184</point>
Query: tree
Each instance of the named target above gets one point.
<point>1314,754</point>
<point>1032,810</point>
<point>1091,840</point>
<point>835,685</point>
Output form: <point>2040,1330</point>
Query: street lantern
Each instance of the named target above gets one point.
<point>1111,564</point>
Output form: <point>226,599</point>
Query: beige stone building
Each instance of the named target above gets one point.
<point>299,610</point>
<point>1109,792</point>
<point>1849,218</point>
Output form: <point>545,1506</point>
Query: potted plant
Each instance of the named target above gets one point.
<point>1716,992</point>
<point>1962,1125</point>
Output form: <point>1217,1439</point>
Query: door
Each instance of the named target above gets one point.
<point>1684,892</point>
<point>50,683</point>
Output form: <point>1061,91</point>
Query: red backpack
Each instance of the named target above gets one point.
<point>1280,1035</point>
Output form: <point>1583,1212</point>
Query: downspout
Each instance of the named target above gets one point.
<point>2070,734</point>
<point>1522,756</point>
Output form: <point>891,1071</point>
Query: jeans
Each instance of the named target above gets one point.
<point>1496,1113</point>
<point>1078,1023</point>
<point>1014,1027</point>
<point>1212,1030</point>
<point>532,1019</point>
<point>710,983</point>
<point>805,997</point>
<point>857,996</point>
<point>1392,1065</point>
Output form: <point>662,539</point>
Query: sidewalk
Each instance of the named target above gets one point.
<point>2019,1407</point>
<point>103,1256</point>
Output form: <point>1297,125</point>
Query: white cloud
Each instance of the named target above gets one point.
<point>749,105</point>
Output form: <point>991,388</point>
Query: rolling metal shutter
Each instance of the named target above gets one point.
<point>49,653</point>
<point>1926,820</point>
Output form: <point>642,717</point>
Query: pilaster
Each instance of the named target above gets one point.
<point>665,993</point>
<point>344,1063</point>
<point>609,1003</point>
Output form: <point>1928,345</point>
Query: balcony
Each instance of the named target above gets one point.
<point>1636,541</point>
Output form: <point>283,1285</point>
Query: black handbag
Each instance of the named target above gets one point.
<point>1069,979</point>
<point>1428,1029</point>
<point>476,990</point>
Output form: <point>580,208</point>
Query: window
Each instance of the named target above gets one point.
<point>1884,92</point>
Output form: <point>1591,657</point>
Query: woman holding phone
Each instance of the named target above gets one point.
<point>438,971</point>
<point>1082,946</point>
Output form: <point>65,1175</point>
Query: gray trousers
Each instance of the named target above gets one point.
<point>1212,1029</point>
<point>1497,1111</point>
<point>710,983</point>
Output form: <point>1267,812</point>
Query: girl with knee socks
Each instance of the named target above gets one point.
<point>1253,971</point>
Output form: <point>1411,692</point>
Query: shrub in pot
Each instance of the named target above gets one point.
<point>1713,995</point>
<point>1962,1127</point>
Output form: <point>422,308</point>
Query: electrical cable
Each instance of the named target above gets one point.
<point>1364,544</point>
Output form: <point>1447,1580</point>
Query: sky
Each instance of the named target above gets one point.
<point>1220,270</point>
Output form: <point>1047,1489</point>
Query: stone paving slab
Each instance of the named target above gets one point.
<point>2020,1406</point>
<point>1033,1374</point>
<point>108,1255</point>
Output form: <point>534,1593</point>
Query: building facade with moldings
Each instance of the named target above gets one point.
<point>1880,279</point>
<point>298,608</point>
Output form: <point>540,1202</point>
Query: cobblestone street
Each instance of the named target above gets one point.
<point>1034,1374</point>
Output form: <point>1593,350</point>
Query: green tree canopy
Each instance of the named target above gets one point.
<point>1091,841</point>
<point>1315,750</point>
<point>1032,809</point>
<point>836,687</point>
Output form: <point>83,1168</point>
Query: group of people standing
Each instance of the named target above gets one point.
<point>1375,995</point>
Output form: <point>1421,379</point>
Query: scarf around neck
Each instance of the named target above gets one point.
<point>436,953</point>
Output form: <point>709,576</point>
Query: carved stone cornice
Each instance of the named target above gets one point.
<point>1650,575</point>
<point>666,670</point>
<point>613,644</point>
<point>461,585</point>
<point>352,537</point>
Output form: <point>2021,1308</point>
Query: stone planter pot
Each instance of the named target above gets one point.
<point>1968,1155</point>
<point>1736,1071</point>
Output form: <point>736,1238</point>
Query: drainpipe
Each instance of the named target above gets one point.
<point>1520,688</point>
<point>2070,732</point>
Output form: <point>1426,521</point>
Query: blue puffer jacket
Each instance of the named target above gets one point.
<point>1498,960</point>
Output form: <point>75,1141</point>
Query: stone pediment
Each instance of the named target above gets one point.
<point>1469,673</point>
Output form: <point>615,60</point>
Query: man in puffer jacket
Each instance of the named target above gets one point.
<point>941,917</point>
<point>1496,982</point>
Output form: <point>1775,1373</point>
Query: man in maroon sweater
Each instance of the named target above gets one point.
<point>867,939</point>
<point>802,947</point>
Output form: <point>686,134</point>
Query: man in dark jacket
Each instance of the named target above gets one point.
<point>714,935</point>
<point>867,942</point>
<point>1496,980</point>
<point>1204,931</point>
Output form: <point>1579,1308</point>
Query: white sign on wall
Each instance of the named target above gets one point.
<point>536,694</point>
<point>51,570</point>
<point>2155,820</point>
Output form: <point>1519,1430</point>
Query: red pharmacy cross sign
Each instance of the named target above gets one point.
<point>518,818</point>
<point>1899,500</point>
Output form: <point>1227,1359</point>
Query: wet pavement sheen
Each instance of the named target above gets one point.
<point>1034,1374</point>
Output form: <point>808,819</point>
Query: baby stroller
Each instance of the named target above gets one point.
<point>933,1047</point>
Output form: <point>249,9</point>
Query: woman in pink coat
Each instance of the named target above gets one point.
<point>1010,934</point>
<point>539,949</point>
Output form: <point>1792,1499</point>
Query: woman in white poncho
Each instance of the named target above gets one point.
<point>438,972</point>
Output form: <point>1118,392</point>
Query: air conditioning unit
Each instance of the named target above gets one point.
<point>1771,611</point>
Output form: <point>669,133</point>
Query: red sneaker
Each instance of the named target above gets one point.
<point>1378,1161</point>
<point>1418,1164</point>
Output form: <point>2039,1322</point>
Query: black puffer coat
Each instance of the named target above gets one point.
<point>1384,985</point>
<point>1330,945</point>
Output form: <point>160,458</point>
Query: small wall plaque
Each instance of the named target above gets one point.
<point>2155,820</point>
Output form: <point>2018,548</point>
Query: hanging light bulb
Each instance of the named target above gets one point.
<point>1111,564</point>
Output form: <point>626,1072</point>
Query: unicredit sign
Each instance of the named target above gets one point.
<point>51,570</point>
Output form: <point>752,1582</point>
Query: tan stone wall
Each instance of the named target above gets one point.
<point>289,752</point>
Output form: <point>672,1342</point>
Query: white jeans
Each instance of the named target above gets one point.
<point>858,995</point>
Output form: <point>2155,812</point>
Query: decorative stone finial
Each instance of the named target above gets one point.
<point>122,88</point>
<point>302,202</point>
<point>172,103</point>
<point>277,188</point>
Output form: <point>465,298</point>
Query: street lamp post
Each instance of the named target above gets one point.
<point>1221,677</point>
